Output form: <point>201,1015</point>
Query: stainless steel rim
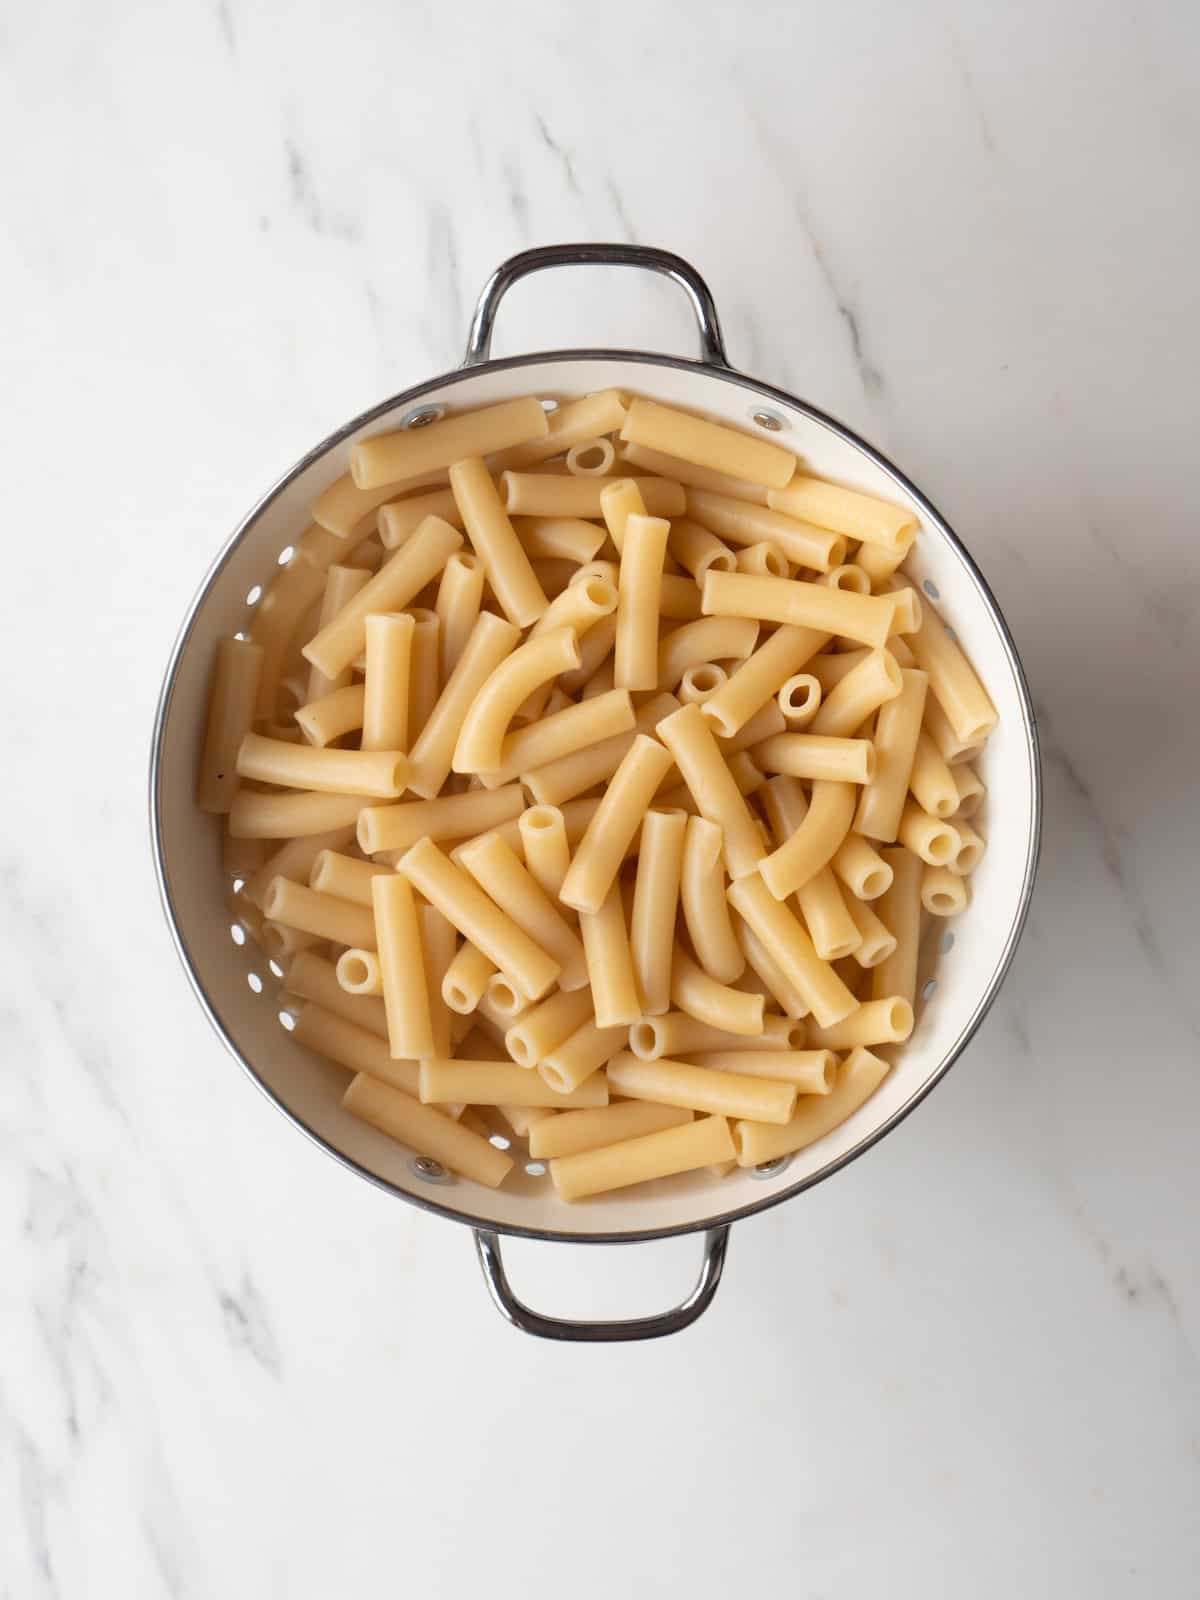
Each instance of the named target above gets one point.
<point>761,391</point>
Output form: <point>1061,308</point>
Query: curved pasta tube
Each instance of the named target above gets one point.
<point>480,744</point>
<point>814,842</point>
<point>707,639</point>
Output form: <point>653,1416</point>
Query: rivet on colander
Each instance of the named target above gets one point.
<point>771,1169</point>
<point>422,416</point>
<point>929,988</point>
<point>770,420</point>
<point>430,1170</point>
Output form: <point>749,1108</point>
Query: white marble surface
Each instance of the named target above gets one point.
<point>969,1365</point>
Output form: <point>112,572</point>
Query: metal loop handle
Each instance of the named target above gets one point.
<point>513,1310</point>
<point>712,345</point>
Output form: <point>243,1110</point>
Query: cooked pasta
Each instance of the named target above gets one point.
<point>601,751</point>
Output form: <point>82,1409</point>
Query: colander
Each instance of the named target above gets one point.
<point>240,994</point>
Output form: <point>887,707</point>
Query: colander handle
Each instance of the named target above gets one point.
<point>712,345</point>
<point>513,1310</point>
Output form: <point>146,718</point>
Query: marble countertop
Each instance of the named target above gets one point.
<point>967,1366</point>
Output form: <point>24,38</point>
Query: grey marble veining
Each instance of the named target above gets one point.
<point>970,1365</point>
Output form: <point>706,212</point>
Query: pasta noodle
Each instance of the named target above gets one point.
<point>691,474</point>
<point>544,845</point>
<point>569,425</point>
<point>708,1089</point>
<point>698,994</point>
<point>812,846</point>
<point>386,687</point>
<point>808,1071</point>
<point>655,901</point>
<point>352,1047</point>
<point>559,781</point>
<point>875,943</point>
<point>677,1034</point>
<point>310,977</point>
<point>859,516</point>
<point>875,680</point>
<point>574,1131</point>
<point>289,816</point>
<point>900,912</point>
<point>655,1155</point>
<point>705,908</point>
<point>231,707</point>
<point>826,996</point>
<point>897,730</point>
<point>576,727</point>
<point>450,816</point>
<point>697,549</point>
<point>497,1083</point>
<point>559,538</point>
<point>952,680</point>
<point>425,1129</point>
<point>459,597</point>
<point>864,617</point>
<point>480,745</point>
<point>548,1024</point>
<point>764,558</point>
<point>799,699</point>
<point>751,687</point>
<point>501,874</point>
<point>509,571</point>
<point>334,715</point>
<point>746,524</point>
<point>492,641</point>
<point>931,782</point>
<point>533,494</point>
<point>610,962</point>
<point>358,972</point>
<point>466,979</point>
<point>635,654</point>
<point>391,457</point>
<point>706,444</point>
<point>815,755</point>
<point>323,915</point>
<point>586,1050</point>
<point>707,639</point>
<point>592,459</point>
<point>888,1021</point>
<point>342,583</point>
<point>399,519</point>
<point>943,891</point>
<point>402,966</point>
<point>424,682</point>
<point>687,735</point>
<point>600,852</point>
<point>344,876</point>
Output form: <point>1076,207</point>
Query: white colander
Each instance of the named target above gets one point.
<point>239,992</point>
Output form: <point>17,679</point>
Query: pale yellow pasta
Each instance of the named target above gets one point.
<point>858,516</point>
<point>707,639</point>
<point>459,597</point>
<point>231,710</point>
<point>909,611</point>
<point>394,457</point>
<point>582,605</point>
<point>679,598</point>
<point>480,743</point>
<point>601,681</point>
<point>544,845</point>
<point>510,574</point>
<point>953,681</point>
<point>558,781</point>
<point>816,755</point>
<point>399,519</point>
<point>402,964</point>
<point>427,1131</point>
<point>814,842</point>
<point>763,966</point>
<point>861,868</point>
<point>335,714</point>
<point>764,558</point>
<point>450,816</point>
<point>344,508</point>
<point>931,781</point>
<point>368,554</point>
<point>677,1034</point>
<point>620,499</point>
<point>635,655</point>
<point>344,876</point>
<point>885,1021</point>
<point>936,842</point>
<point>695,1144</point>
<point>502,1003</point>
<point>323,915</point>
<point>705,908</point>
<point>799,700</point>
<point>388,680</point>
<point>424,678</point>
<point>655,901</point>
<point>277,617</point>
<point>322,548</point>
<point>280,943</point>
<point>897,731</point>
<point>466,978</point>
<point>575,1131</point>
<point>900,912</point>
<point>745,524</point>
<point>562,733</point>
<point>548,1024</point>
<point>497,1083</point>
<point>691,474</point>
<point>618,817</point>
<point>593,458</point>
<point>830,667</point>
<point>585,1051</point>
<point>289,816</point>
<point>970,847</point>
<point>543,494</point>
<point>953,750</point>
<point>826,996</point>
<point>358,971</point>
<point>752,685</point>
<point>479,919</point>
<point>398,581</point>
<point>373,773</point>
<point>523,1119</point>
<point>808,605</point>
<point>943,891</point>
<point>701,996</point>
<point>879,562</point>
<point>847,577</point>
<point>568,425</point>
<point>665,1081</point>
<point>697,549</point>
<point>808,1071</point>
<point>831,927</point>
<point>437,951</point>
<point>875,680</point>
<point>707,444</point>
<point>970,793</point>
<point>858,1077</point>
<point>311,977</point>
<point>342,583</point>
<point>492,641</point>
<point>502,875</point>
<point>688,736</point>
<point>352,1047</point>
<point>699,684</point>
<point>615,995</point>
<point>559,538</point>
<point>875,943</point>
